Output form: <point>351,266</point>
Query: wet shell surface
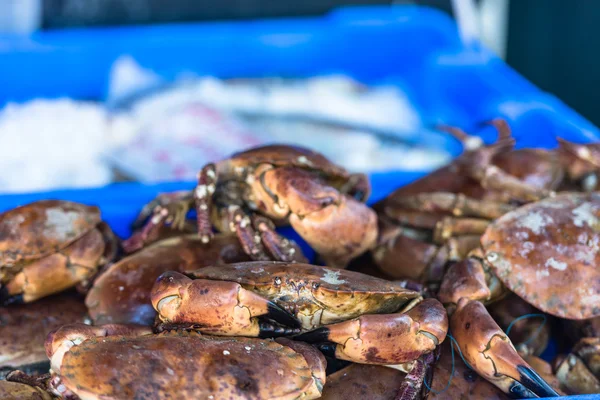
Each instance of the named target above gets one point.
<point>548,253</point>
<point>188,365</point>
<point>42,228</point>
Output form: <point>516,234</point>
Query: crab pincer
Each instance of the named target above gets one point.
<point>490,352</point>
<point>218,307</point>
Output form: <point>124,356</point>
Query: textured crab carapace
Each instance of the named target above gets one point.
<point>544,252</point>
<point>24,327</point>
<point>250,191</point>
<point>366,319</point>
<point>121,362</point>
<point>122,293</point>
<point>49,246</point>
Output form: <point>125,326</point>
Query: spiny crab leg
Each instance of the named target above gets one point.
<point>218,307</point>
<point>386,339</point>
<point>207,184</point>
<point>490,352</point>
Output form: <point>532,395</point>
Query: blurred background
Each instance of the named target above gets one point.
<point>100,91</point>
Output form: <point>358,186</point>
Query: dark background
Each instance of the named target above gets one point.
<point>553,43</point>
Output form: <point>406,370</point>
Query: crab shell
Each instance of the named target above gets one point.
<point>21,391</point>
<point>49,246</point>
<point>464,383</point>
<point>548,253</point>
<point>186,365</point>
<point>23,330</point>
<point>122,293</point>
<point>285,155</point>
<point>315,295</point>
<point>363,381</point>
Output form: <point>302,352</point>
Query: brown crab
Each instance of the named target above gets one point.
<point>545,253</point>
<point>126,362</point>
<point>24,327</point>
<point>121,294</point>
<point>22,391</point>
<point>579,371</point>
<point>285,184</point>
<point>354,317</point>
<point>49,246</point>
<point>440,217</point>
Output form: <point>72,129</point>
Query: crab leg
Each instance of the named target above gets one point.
<point>490,352</point>
<point>412,385</point>
<point>280,248</point>
<point>207,181</point>
<point>250,240</point>
<point>166,208</point>
<point>449,227</point>
<point>457,204</point>
<point>217,307</point>
<point>386,339</point>
<point>427,261</point>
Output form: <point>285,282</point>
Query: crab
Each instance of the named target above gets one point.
<point>247,192</point>
<point>130,362</point>
<point>49,246</point>
<point>22,391</point>
<point>440,217</point>
<point>579,371</point>
<point>545,253</point>
<point>122,293</point>
<point>351,316</point>
<point>24,327</point>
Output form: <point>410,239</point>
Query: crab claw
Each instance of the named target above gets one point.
<point>490,352</point>
<point>60,340</point>
<point>386,339</point>
<point>217,307</point>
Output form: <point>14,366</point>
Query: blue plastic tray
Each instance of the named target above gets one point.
<point>415,48</point>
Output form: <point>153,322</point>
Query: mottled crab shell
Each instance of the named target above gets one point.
<point>122,293</point>
<point>23,330</point>
<point>42,228</point>
<point>317,295</point>
<point>548,253</point>
<point>365,382</point>
<point>20,391</point>
<point>293,156</point>
<point>187,365</point>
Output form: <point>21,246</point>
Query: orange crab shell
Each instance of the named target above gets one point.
<point>21,391</point>
<point>548,252</point>
<point>316,294</point>
<point>42,228</point>
<point>189,365</point>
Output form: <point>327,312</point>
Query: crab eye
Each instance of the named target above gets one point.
<point>166,300</point>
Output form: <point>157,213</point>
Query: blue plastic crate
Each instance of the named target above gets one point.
<point>415,48</point>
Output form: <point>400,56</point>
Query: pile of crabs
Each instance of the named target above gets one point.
<point>451,287</point>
